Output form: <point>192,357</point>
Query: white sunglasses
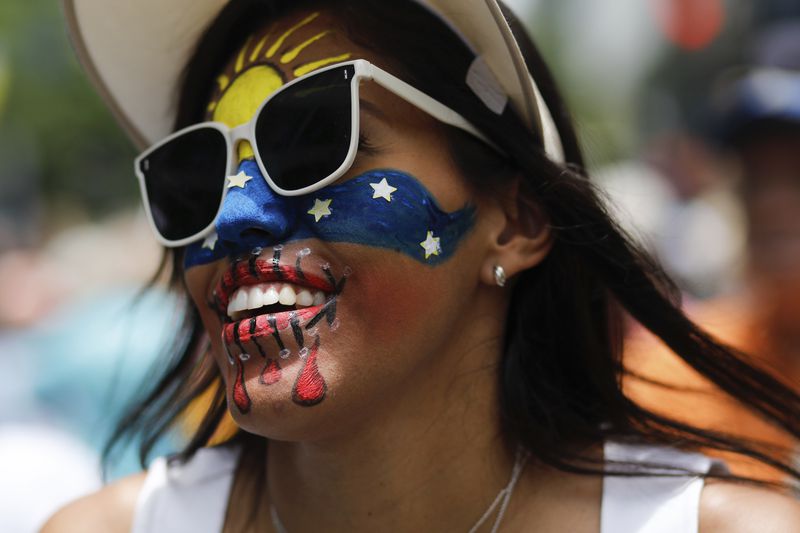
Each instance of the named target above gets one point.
<point>305,136</point>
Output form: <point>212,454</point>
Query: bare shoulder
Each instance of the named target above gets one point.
<point>108,510</point>
<point>733,508</point>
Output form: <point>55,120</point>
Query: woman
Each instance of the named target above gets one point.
<point>412,320</point>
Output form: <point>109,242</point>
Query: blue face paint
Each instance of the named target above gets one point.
<point>380,208</point>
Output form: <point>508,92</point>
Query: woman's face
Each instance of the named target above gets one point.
<point>326,309</point>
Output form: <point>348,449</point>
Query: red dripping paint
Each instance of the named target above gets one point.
<point>240,396</point>
<point>271,373</point>
<point>310,387</point>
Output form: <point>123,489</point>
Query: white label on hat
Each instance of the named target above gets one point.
<point>483,83</point>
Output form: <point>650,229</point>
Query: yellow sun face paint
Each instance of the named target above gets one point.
<point>258,47</point>
<point>240,58</point>
<point>241,101</point>
<point>291,55</point>
<point>223,81</point>
<point>279,42</point>
<point>254,74</point>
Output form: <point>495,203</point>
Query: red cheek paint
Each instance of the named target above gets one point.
<point>310,387</point>
<point>240,396</point>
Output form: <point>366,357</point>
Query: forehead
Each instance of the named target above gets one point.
<point>279,52</point>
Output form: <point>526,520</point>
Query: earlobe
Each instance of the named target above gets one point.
<point>522,239</point>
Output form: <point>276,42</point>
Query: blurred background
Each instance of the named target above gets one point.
<point>688,111</point>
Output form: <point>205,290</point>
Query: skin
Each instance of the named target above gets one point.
<point>409,438</point>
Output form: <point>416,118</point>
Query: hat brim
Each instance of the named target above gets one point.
<point>135,52</point>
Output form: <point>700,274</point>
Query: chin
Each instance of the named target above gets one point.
<point>303,400</point>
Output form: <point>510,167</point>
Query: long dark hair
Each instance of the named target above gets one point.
<point>561,371</point>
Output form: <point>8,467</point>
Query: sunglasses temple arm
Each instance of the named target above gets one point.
<point>424,102</point>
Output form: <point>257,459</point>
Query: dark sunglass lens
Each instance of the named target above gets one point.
<point>184,180</point>
<point>303,133</point>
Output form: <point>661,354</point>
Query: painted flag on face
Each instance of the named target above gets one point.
<point>383,208</point>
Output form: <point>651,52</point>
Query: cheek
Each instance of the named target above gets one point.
<point>402,301</point>
<point>400,304</point>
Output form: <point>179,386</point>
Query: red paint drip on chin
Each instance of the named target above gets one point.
<point>272,372</point>
<point>240,396</point>
<point>310,387</point>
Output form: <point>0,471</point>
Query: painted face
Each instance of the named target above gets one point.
<point>352,296</point>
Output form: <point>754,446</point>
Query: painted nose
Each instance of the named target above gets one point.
<point>253,215</point>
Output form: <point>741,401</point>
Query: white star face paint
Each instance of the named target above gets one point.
<point>320,209</point>
<point>382,190</point>
<point>239,180</point>
<point>210,242</point>
<point>431,245</point>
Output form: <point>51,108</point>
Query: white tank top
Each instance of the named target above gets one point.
<point>193,497</point>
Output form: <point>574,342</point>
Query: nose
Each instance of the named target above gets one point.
<point>253,215</point>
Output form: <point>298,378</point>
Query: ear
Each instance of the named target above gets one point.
<point>520,235</point>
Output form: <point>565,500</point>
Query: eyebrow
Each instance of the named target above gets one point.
<point>373,110</point>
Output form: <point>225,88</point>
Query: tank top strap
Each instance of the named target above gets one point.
<point>654,504</point>
<point>186,497</point>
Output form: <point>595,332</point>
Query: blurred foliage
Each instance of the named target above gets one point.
<point>60,150</point>
<point>5,77</point>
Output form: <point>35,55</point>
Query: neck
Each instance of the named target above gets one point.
<point>430,463</point>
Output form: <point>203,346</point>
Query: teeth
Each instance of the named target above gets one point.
<point>287,296</point>
<point>238,302</point>
<point>304,298</point>
<point>319,298</point>
<point>257,296</point>
<point>270,296</point>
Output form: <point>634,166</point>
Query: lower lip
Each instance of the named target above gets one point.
<point>256,327</point>
<point>309,387</point>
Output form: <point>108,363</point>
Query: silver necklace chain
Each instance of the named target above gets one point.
<point>276,520</point>
<point>502,499</point>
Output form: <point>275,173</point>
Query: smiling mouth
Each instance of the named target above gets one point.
<point>260,286</point>
<point>258,298</point>
<point>272,309</point>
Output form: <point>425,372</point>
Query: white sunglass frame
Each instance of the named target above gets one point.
<point>363,70</point>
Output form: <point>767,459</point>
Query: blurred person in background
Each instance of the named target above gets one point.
<point>76,334</point>
<point>758,117</point>
<point>75,338</point>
